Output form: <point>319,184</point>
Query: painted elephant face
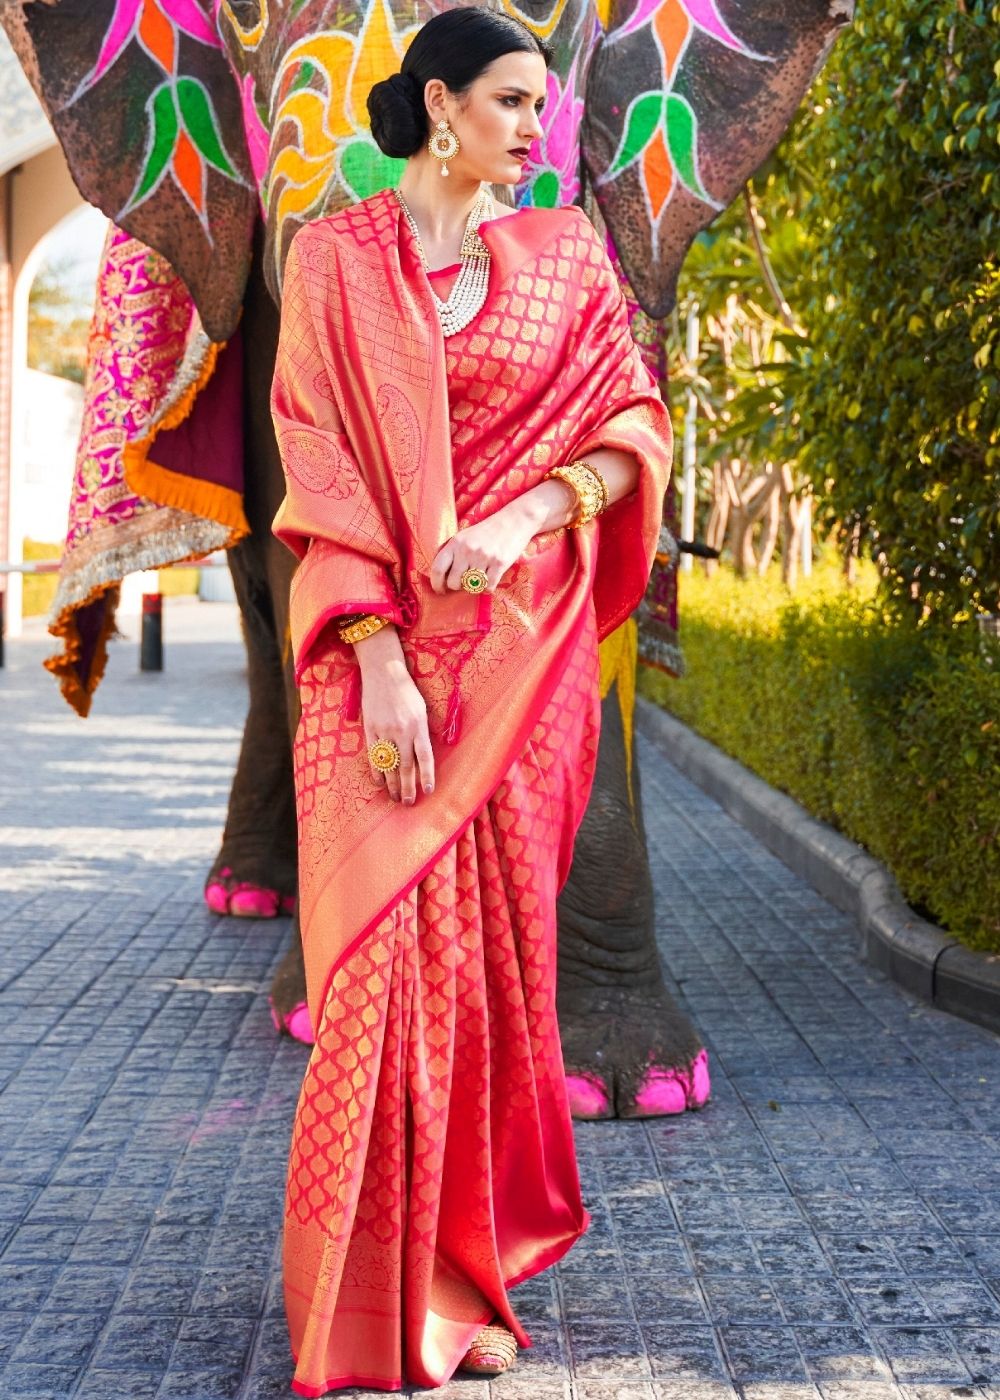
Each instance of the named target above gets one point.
<point>685,99</point>
<point>305,72</point>
<point>172,111</point>
<point>143,101</point>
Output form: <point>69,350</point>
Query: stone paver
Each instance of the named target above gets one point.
<point>828,1229</point>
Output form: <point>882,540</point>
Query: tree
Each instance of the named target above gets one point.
<point>879,381</point>
<point>896,392</point>
<point>58,323</point>
<point>749,472</point>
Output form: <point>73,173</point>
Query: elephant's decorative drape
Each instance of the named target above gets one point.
<point>159,465</point>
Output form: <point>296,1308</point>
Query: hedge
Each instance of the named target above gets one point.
<point>889,732</point>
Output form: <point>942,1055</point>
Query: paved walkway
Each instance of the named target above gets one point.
<point>828,1227</point>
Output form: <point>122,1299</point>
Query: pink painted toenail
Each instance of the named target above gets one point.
<point>298,1024</point>
<point>588,1097</point>
<point>250,903</point>
<point>217,899</point>
<point>662,1092</point>
<point>701,1081</point>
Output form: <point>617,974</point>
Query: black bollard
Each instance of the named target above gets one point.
<point>151,643</point>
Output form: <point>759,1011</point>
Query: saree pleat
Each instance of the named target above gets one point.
<point>432,1163</point>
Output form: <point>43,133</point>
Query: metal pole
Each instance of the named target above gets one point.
<point>690,439</point>
<point>151,645</point>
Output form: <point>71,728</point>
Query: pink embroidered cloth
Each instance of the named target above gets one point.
<point>153,377</point>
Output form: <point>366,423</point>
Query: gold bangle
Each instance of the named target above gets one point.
<point>601,483</point>
<point>590,487</point>
<point>364,627</point>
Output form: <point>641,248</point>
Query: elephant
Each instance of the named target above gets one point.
<point>209,133</point>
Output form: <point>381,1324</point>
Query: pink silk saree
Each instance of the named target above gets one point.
<point>432,1163</point>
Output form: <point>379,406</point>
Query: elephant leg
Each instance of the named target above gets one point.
<point>268,568</point>
<point>630,1052</point>
<point>254,873</point>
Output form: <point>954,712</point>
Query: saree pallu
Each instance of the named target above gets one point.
<point>432,1162</point>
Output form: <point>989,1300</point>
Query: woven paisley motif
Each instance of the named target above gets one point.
<point>402,431</point>
<point>320,464</point>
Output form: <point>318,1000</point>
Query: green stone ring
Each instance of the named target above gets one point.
<point>475,581</point>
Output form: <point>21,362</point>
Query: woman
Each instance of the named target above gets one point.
<point>445,620</point>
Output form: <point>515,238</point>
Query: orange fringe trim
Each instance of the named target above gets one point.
<point>168,488</point>
<point>77,691</point>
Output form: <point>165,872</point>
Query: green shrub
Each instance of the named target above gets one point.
<point>888,731</point>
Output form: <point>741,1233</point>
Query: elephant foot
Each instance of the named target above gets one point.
<point>661,1092</point>
<point>244,899</point>
<point>297,1023</point>
<point>666,1091</point>
<point>630,1058</point>
<point>287,1001</point>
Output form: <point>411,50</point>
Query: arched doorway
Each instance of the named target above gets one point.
<point>36,195</point>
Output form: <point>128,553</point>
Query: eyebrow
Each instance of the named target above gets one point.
<point>521,92</point>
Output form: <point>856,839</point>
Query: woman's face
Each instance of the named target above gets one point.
<point>496,120</point>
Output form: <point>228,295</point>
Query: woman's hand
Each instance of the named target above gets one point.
<point>493,545</point>
<point>497,542</point>
<point>393,708</point>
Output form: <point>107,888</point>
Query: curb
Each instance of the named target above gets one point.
<point>915,954</point>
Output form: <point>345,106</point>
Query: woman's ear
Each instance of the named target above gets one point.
<point>435,92</point>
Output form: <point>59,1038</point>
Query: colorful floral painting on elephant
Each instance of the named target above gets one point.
<point>209,133</point>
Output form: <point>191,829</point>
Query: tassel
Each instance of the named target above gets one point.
<point>350,707</point>
<point>407,603</point>
<point>452,722</point>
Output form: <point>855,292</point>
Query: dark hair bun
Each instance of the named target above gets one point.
<point>398,116</point>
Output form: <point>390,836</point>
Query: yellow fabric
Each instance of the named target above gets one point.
<point>618,654</point>
<point>169,488</point>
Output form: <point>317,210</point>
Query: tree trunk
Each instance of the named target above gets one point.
<point>718,520</point>
<point>772,524</point>
<point>793,518</point>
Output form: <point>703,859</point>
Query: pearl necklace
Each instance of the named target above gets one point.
<point>468,295</point>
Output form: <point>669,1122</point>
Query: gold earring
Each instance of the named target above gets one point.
<point>443,145</point>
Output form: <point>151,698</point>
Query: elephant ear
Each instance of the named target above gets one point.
<point>148,113</point>
<point>685,100</point>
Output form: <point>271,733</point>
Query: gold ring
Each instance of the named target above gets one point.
<point>475,581</point>
<point>384,755</point>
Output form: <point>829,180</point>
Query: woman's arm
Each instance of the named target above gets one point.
<point>343,571</point>
<point>552,503</point>
<point>496,543</point>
